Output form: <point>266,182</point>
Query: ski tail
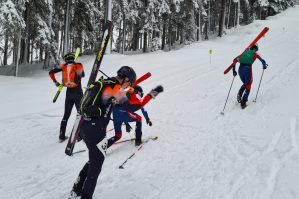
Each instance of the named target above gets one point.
<point>142,78</point>
<point>57,93</point>
<point>93,75</point>
<point>97,63</point>
<point>262,33</point>
<point>77,53</point>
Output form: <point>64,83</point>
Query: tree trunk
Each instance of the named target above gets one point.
<point>135,36</point>
<point>18,53</point>
<point>221,19</point>
<point>123,36</point>
<point>145,42</point>
<point>5,49</point>
<point>41,51</point>
<point>66,28</point>
<point>163,36</point>
<point>26,36</point>
<point>15,48</point>
<point>31,52</point>
<point>228,14</point>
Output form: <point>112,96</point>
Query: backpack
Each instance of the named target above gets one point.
<point>247,57</point>
<point>91,104</point>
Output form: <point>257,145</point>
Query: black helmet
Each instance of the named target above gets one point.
<point>69,57</point>
<point>255,47</point>
<point>128,73</point>
<point>139,89</point>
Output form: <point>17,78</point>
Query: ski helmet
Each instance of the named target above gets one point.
<point>69,57</point>
<point>255,47</point>
<point>139,89</point>
<point>127,73</point>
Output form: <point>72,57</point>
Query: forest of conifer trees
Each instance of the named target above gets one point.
<point>43,30</point>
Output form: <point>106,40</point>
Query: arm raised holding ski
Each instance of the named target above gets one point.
<point>262,33</point>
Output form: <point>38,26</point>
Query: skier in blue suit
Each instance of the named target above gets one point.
<point>245,72</point>
<point>122,115</point>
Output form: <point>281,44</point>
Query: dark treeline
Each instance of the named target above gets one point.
<point>38,30</point>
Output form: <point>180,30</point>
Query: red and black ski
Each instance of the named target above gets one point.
<point>93,75</point>
<point>262,33</point>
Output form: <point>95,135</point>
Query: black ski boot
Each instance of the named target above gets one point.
<point>138,142</point>
<point>239,98</point>
<point>240,93</point>
<point>62,136</point>
<point>138,134</point>
<point>243,103</point>
<point>78,185</point>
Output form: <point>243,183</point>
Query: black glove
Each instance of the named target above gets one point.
<point>128,128</point>
<point>235,73</point>
<point>148,121</point>
<point>265,66</point>
<point>57,84</point>
<point>156,91</point>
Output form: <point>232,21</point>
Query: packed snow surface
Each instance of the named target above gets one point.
<point>200,154</point>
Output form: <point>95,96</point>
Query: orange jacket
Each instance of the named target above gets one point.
<point>70,74</point>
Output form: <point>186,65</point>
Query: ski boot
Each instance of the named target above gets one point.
<point>239,98</point>
<point>62,136</point>
<point>138,142</point>
<point>243,103</point>
<point>73,195</point>
<point>138,134</point>
<point>240,93</point>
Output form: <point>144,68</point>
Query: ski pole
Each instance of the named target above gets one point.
<point>259,86</point>
<point>122,165</point>
<point>222,113</point>
<point>140,147</point>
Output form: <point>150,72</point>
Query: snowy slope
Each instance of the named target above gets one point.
<point>200,154</point>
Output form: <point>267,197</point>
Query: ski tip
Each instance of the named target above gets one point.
<point>121,167</point>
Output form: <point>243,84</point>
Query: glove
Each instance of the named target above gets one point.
<point>128,128</point>
<point>149,122</point>
<point>156,91</point>
<point>57,84</point>
<point>265,66</point>
<point>235,73</point>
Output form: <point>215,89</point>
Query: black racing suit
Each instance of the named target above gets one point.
<point>73,97</point>
<point>96,111</point>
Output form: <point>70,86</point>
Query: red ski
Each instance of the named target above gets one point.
<point>264,31</point>
<point>142,78</point>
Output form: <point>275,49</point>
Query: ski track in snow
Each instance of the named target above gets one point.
<point>248,154</point>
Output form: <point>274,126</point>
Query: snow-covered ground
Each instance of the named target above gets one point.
<point>200,154</point>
